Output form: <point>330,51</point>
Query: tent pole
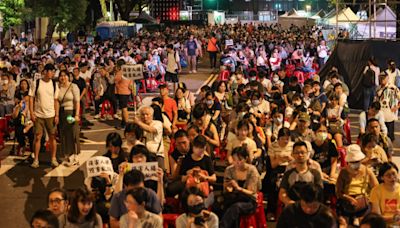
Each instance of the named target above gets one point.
<point>385,20</point>
<point>369,17</point>
<point>375,18</point>
<point>337,17</point>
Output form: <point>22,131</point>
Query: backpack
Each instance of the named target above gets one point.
<point>368,78</point>
<point>397,79</point>
<point>37,86</point>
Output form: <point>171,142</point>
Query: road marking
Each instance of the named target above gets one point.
<point>206,82</point>
<point>9,162</point>
<point>63,171</point>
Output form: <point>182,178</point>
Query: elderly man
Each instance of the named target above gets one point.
<point>153,133</point>
<point>295,178</point>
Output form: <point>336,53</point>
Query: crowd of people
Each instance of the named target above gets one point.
<point>278,130</point>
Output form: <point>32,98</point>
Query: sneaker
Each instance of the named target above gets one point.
<point>54,162</point>
<point>116,116</point>
<point>35,164</point>
<point>194,71</point>
<point>190,71</point>
<point>109,117</point>
<point>97,116</point>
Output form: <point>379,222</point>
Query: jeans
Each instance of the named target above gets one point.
<point>368,97</point>
<point>321,62</point>
<point>231,218</point>
<point>390,127</point>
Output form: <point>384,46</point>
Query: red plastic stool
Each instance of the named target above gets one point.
<point>169,220</point>
<point>257,219</point>
<point>347,130</point>
<point>106,108</point>
<point>142,88</point>
<point>342,156</point>
<point>300,76</point>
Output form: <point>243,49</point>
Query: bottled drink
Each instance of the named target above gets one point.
<point>70,119</point>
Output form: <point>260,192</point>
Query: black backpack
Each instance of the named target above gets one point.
<point>368,78</point>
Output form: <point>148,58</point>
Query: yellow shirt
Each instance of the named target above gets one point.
<point>358,185</point>
<point>388,201</point>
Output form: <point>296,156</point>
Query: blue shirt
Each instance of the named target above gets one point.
<point>191,47</point>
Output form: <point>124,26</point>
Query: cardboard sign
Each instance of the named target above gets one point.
<point>99,164</point>
<point>133,72</point>
<point>149,169</point>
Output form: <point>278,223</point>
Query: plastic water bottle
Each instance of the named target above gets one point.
<point>70,119</point>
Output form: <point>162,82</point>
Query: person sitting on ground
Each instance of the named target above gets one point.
<point>44,218</point>
<point>137,215</point>
<point>197,168</point>
<point>153,133</point>
<point>374,127</point>
<point>195,212</point>
<point>385,197</point>
<point>295,178</point>
<point>132,180</point>
<point>373,112</point>
<point>375,155</point>
<point>306,211</point>
<point>241,185</point>
<point>82,212</point>
<point>57,201</point>
<point>114,150</point>
<point>133,134</point>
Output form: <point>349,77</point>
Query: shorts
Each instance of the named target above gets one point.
<point>171,77</point>
<point>123,101</point>
<point>45,123</point>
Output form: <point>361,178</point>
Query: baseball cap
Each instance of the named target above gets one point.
<point>303,116</point>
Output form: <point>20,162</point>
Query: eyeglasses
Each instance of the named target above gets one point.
<point>56,201</point>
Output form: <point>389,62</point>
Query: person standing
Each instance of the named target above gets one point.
<point>191,50</point>
<point>123,89</point>
<point>389,97</point>
<point>212,48</point>
<point>392,71</point>
<point>322,51</point>
<point>69,107</point>
<point>44,110</point>
<point>81,83</point>
<point>370,81</point>
<point>173,66</point>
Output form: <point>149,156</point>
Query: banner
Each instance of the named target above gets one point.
<point>133,72</point>
<point>229,42</point>
<point>98,165</point>
<point>149,169</point>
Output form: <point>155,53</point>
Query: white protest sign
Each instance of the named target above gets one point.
<point>98,165</point>
<point>229,42</point>
<point>149,169</point>
<point>132,72</point>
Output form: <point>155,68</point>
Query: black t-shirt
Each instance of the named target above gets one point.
<point>323,155</point>
<point>116,161</point>
<point>205,164</point>
<point>80,83</point>
<point>176,154</point>
<point>293,216</point>
<point>288,88</point>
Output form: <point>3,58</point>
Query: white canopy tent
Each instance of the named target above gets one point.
<point>343,18</point>
<point>382,25</point>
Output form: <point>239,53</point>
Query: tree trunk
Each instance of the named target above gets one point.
<point>49,34</point>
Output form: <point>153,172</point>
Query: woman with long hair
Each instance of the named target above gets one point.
<point>82,212</point>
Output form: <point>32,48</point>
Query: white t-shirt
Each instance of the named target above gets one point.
<point>322,51</point>
<point>263,107</point>
<point>154,141</point>
<point>44,99</point>
<point>392,75</point>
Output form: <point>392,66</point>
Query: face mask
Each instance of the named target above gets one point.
<point>321,136</point>
<point>255,102</point>
<point>275,79</point>
<point>196,209</point>
<point>209,102</point>
<point>355,166</point>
